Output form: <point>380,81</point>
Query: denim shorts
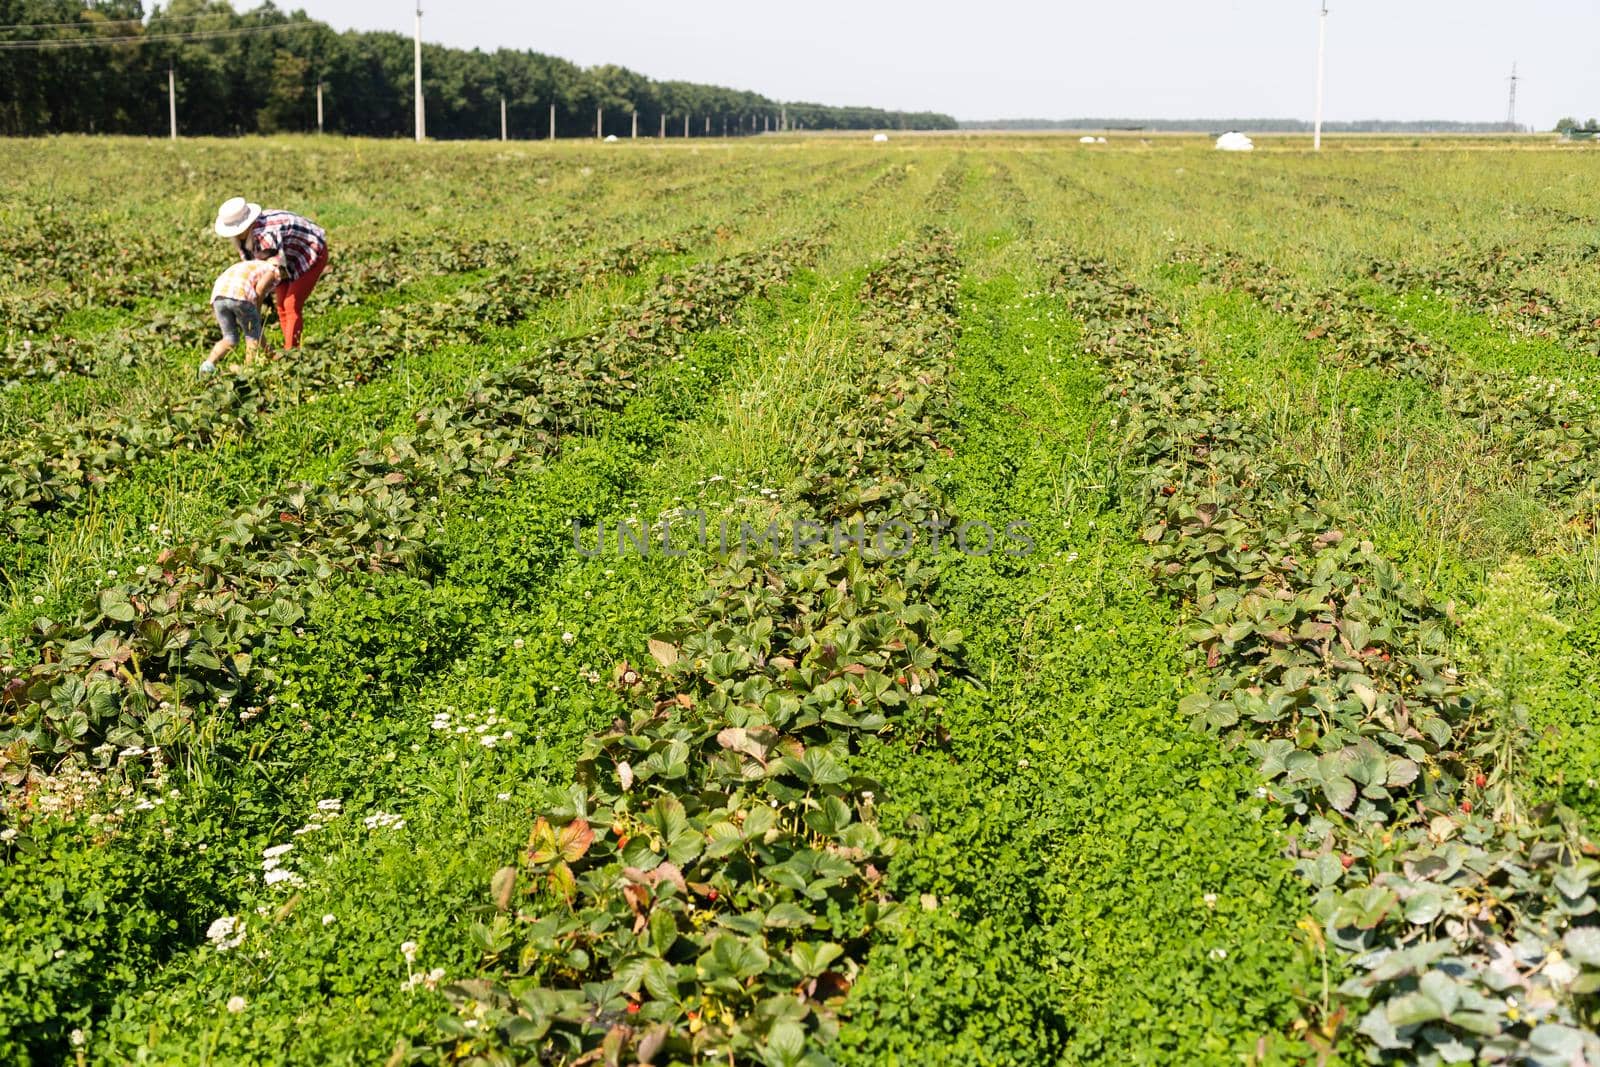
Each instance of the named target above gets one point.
<point>236,317</point>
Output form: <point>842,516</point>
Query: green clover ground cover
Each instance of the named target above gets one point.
<point>1091,881</point>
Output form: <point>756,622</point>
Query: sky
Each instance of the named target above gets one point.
<point>1393,59</point>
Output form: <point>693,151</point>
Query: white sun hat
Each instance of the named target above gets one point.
<point>235,216</point>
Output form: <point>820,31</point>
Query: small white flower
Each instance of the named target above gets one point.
<point>333,804</point>
<point>37,600</point>
<point>1023,764</point>
<point>282,875</point>
<point>1210,900</point>
<point>408,949</point>
<point>517,643</point>
<point>568,637</point>
<point>327,919</point>
<point>502,796</point>
<point>1218,953</point>
<point>225,933</point>
<point>236,1004</point>
<point>76,1039</point>
<point>8,834</point>
<point>275,851</point>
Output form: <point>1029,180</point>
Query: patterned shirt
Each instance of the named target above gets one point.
<point>251,279</point>
<point>293,241</point>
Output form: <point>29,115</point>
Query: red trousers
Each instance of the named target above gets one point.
<point>291,297</point>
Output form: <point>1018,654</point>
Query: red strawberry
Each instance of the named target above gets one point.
<point>1466,806</point>
<point>1481,781</point>
<point>1347,861</point>
<point>633,1008</point>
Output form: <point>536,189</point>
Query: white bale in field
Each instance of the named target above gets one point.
<point>611,138</point>
<point>1086,139</point>
<point>1099,140</point>
<point>880,138</point>
<point>1234,141</point>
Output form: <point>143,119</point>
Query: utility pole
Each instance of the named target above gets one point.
<point>1511,105</point>
<point>599,120</point>
<point>502,118</point>
<point>1322,41</point>
<point>552,121</point>
<point>686,124</point>
<point>172,101</point>
<point>635,134</point>
<point>319,107</point>
<point>783,118</point>
<point>663,133</point>
<point>422,132</point>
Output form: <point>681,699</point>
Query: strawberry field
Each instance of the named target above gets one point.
<point>804,601</point>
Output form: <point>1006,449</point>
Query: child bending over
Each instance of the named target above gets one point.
<point>236,299</point>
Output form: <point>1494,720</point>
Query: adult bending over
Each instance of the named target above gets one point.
<point>296,245</point>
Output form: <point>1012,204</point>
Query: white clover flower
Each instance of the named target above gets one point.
<point>225,933</point>
<point>236,1004</point>
<point>37,600</point>
<point>1218,953</point>
<point>1210,900</point>
<point>502,796</point>
<point>517,643</point>
<point>408,949</point>
<point>275,851</point>
<point>568,637</point>
<point>76,1039</point>
<point>8,834</point>
<point>327,919</point>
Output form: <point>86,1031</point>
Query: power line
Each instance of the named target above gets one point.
<point>48,43</point>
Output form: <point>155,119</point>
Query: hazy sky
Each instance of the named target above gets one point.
<point>1401,59</point>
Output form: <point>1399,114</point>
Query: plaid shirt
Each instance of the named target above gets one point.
<point>294,242</point>
<point>249,280</point>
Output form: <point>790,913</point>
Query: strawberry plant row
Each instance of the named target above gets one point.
<point>139,663</point>
<point>55,470</point>
<point>709,885</point>
<point>1468,921</point>
<point>1548,430</point>
<point>149,262</point>
<point>361,268</point>
<point>1491,287</point>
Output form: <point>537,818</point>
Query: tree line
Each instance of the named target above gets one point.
<point>258,71</point>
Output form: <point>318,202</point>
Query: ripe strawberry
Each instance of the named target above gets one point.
<point>633,1008</point>
<point>1347,861</point>
<point>1481,780</point>
<point>711,895</point>
<point>1466,806</point>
